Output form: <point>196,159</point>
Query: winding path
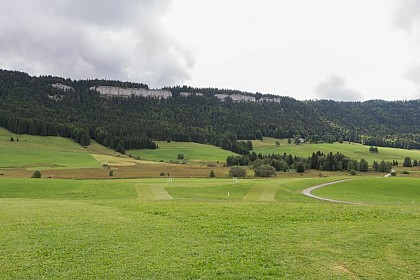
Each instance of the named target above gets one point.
<point>308,193</point>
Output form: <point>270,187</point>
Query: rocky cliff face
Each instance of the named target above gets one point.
<point>127,92</point>
<point>164,94</point>
<point>62,87</point>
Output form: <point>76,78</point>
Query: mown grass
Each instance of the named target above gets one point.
<point>94,229</point>
<point>353,150</point>
<point>42,152</point>
<point>191,151</point>
<point>375,190</point>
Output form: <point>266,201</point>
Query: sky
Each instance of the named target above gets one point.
<point>346,50</point>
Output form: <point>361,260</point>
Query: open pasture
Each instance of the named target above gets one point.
<point>352,150</point>
<point>191,151</point>
<point>375,190</point>
<point>42,152</point>
<point>202,228</point>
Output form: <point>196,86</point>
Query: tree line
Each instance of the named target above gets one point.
<point>31,105</point>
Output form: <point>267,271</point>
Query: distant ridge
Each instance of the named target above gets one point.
<point>93,109</point>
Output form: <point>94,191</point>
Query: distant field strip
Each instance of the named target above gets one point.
<point>308,193</point>
<point>152,193</point>
<point>261,193</point>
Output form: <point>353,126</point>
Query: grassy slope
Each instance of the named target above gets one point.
<point>102,229</point>
<point>191,151</point>
<point>353,150</point>
<point>42,152</point>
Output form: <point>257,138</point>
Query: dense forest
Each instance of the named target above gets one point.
<point>32,105</point>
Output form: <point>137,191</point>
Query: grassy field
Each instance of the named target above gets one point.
<point>191,151</point>
<point>353,150</point>
<point>42,152</point>
<point>375,190</point>
<point>206,229</point>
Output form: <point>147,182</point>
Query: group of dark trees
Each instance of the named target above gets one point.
<point>31,105</point>
<point>317,161</point>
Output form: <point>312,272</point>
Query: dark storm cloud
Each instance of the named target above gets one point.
<point>335,88</point>
<point>88,39</point>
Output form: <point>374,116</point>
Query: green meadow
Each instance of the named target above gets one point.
<point>375,190</point>
<point>191,151</point>
<point>42,152</point>
<point>352,150</point>
<point>207,229</point>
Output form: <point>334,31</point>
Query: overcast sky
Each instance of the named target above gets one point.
<point>323,49</point>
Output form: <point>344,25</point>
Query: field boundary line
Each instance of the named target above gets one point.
<point>308,193</point>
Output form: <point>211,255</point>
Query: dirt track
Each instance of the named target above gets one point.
<point>308,193</point>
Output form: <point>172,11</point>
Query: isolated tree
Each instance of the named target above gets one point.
<point>212,175</point>
<point>237,172</point>
<point>415,162</point>
<point>37,174</point>
<point>265,171</point>
<point>407,162</point>
<point>11,139</point>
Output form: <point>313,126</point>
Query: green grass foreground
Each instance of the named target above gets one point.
<point>203,229</point>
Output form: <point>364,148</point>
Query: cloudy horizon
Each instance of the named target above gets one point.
<point>342,50</point>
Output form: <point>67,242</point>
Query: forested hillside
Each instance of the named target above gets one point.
<point>56,106</point>
<point>375,122</point>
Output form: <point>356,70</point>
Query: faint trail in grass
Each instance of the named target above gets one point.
<point>160,193</point>
<point>261,193</point>
<point>308,193</point>
<point>152,193</point>
<point>144,193</point>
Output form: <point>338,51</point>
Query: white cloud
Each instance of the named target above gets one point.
<point>407,15</point>
<point>92,39</point>
<point>413,74</point>
<point>335,88</point>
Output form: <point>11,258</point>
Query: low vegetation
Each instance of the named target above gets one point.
<point>150,228</point>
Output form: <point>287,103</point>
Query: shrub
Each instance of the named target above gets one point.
<point>162,173</point>
<point>37,174</point>
<point>111,173</point>
<point>237,171</point>
<point>407,162</point>
<point>300,168</point>
<point>352,172</point>
<point>265,171</point>
<point>405,172</point>
<point>180,156</point>
<point>212,175</point>
<point>393,173</point>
